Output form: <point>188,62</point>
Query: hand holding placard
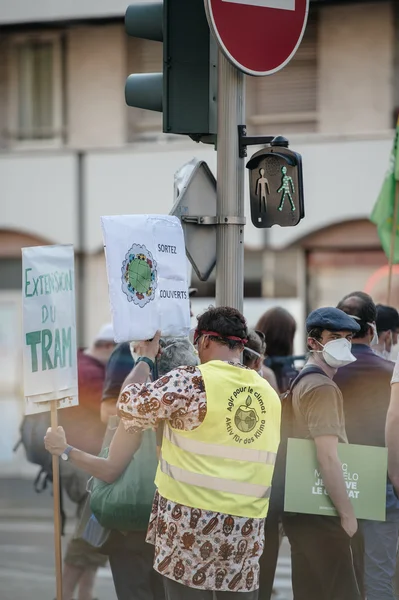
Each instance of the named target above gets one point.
<point>55,441</point>
<point>149,348</point>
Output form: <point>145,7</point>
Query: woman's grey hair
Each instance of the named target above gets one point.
<point>176,352</point>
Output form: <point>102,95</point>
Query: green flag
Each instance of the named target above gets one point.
<point>383,211</point>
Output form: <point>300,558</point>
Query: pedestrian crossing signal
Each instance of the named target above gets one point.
<point>276,187</point>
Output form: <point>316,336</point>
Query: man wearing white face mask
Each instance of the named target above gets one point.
<point>365,386</point>
<point>326,552</point>
<point>387,322</point>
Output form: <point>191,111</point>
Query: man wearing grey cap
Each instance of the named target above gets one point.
<point>387,322</point>
<point>326,552</point>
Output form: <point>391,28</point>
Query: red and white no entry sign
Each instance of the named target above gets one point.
<point>258,36</point>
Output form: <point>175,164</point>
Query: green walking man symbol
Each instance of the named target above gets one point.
<point>286,183</point>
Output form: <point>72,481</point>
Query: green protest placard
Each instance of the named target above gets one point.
<point>364,469</point>
<point>49,350</point>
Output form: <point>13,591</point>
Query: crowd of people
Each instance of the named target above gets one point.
<point>220,409</point>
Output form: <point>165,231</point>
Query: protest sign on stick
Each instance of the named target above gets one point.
<point>147,276</point>
<point>49,349</point>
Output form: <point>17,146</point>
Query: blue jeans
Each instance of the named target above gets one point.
<point>380,544</point>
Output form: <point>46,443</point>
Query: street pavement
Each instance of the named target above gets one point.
<point>27,563</point>
<point>27,544</point>
<point>27,555</point>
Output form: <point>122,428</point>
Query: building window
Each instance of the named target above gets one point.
<point>286,102</point>
<point>36,81</point>
<point>10,274</point>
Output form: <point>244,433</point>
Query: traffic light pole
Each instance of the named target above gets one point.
<point>230,187</point>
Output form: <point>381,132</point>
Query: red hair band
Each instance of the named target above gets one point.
<point>233,338</point>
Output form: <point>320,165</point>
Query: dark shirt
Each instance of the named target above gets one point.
<point>118,368</point>
<point>366,389</point>
<point>284,369</point>
<point>82,423</point>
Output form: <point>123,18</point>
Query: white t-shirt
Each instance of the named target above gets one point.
<point>395,375</point>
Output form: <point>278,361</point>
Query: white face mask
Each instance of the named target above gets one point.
<point>384,353</point>
<point>337,353</point>
<point>374,341</point>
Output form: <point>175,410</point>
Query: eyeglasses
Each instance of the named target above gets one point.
<point>262,339</point>
<point>253,352</point>
<point>261,335</point>
<point>194,337</point>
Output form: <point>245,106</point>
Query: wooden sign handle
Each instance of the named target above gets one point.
<point>57,509</point>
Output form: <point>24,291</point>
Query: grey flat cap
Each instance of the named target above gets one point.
<point>332,319</point>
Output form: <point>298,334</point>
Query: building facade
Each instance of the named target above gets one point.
<point>71,151</point>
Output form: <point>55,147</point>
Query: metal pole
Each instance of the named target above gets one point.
<point>230,187</point>
<point>81,262</point>
<point>394,235</point>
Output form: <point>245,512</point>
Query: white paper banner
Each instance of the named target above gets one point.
<point>147,276</point>
<point>49,327</point>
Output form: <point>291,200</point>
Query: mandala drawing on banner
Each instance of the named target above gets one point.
<point>139,275</point>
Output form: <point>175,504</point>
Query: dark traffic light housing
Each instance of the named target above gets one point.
<point>185,92</point>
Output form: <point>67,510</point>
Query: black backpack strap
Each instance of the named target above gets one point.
<point>307,370</point>
<point>286,401</point>
<point>17,445</point>
<point>40,484</point>
<point>41,481</point>
<point>62,511</point>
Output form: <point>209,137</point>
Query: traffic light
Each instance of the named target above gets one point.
<point>276,186</point>
<point>185,92</point>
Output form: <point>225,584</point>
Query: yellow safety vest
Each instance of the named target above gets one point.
<point>226,464</point>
